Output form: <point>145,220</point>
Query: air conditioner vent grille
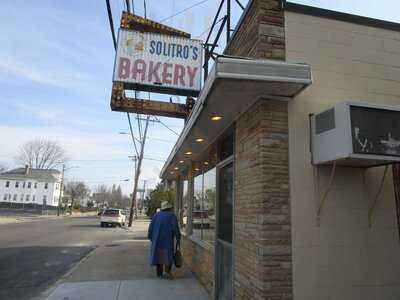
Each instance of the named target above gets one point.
<point>325,121</point>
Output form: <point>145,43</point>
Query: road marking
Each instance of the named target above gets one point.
<point>52,263</point>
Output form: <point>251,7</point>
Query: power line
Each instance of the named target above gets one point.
<point>182,11</point>
<point>131,130</point>
<point>128,8</point>
<point>110,19</point>
<point>208,28</point>
<point>166,126</point>
<point>113,160</point>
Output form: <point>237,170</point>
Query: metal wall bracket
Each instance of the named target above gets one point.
<point>378,193</point>
<point>322,200</point>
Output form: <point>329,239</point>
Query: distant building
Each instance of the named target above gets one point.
<point>30,186</point>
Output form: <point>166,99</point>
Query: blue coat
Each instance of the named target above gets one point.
<point>162,231</point>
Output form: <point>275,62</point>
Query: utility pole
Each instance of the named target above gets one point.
<point>137,174</point>
<point>61,189</point>
<point>144,191</point>
<point>134,159</point>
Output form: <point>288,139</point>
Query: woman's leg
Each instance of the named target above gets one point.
<point>159,270</point>
<point>168,269</point>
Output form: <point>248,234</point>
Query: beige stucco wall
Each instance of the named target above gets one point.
<point>342,258</point>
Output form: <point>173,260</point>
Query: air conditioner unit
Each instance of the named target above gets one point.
<point>356,134</point>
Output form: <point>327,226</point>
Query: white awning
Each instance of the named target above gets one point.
<point>231,87</point>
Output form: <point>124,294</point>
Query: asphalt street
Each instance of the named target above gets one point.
<point>34,255</point>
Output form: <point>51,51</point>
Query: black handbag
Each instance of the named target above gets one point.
<point>178,259</point>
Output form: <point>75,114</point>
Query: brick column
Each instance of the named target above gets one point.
<point>262,240</point>
<point>262,33</point>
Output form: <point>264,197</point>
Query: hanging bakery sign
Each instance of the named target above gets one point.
<point>158,63</point>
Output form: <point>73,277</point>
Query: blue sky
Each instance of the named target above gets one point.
<point>56,63</point>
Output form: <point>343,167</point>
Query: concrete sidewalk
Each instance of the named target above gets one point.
<point>121,270</point>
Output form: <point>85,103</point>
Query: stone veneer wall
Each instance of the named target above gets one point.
<point>261,34</point>
<point>200,260</point>
<point>262,238</point>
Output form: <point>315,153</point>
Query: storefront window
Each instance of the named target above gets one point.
<point>204,206</point>
<point>185,205</point>
<point>208,232</point>
<point>197,205</point>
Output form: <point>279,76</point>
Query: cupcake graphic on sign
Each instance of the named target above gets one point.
<point>133,44</point>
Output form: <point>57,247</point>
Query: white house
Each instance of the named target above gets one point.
<point>30,186</point>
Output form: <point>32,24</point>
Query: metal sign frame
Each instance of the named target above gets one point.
<point>119,100</point>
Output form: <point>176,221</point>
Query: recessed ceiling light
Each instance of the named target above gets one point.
<point>196,169</point>
<point>171,173</point>
<point>216,118</point>
<point>188,152</point>
<point>206,163</point>
<point>181,161</point>
<point>199,140</point>
<point>176,168</point>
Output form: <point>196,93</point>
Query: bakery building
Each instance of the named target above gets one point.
<point>285,172</point>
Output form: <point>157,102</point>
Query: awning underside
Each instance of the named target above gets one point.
<point>231,87</point>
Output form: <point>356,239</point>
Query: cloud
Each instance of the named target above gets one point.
<point>42,76</point>
<point>99,156</point>
<point>46,114</point>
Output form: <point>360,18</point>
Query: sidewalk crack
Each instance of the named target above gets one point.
<point>118,289</point>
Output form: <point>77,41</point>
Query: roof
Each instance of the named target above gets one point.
<point>322,13</point>
<point>340,16</point>
<point>38,174</point>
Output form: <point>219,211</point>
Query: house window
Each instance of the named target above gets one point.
<point>22,198</point>
<point>9,197</point>
<point>35,185</point>
<point>7,184</point>
<point>29,185</point>
<point>46,185</point>
<point>33,198</point>
<point>5,197</point>
<point>27,198</point>
<point>15,197</point>
<point>57,186</point>
<point>16,184</point>
<point>44,199</point>
<point>55,199</point>
<point>23,185</point>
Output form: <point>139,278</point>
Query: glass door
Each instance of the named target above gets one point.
<point>224,264</point>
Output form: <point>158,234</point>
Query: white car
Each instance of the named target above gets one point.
<point>113,216</point>
<point>201,219</point>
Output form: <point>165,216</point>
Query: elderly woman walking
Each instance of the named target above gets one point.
<point>163,230</point>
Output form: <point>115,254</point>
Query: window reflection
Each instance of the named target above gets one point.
<point>185,204</point>
<point>198,206</point>
<point>204,206</point>
<point>208,233</point>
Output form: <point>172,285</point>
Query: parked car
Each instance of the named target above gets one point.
<point>113,216</point>
<point>198,215</point>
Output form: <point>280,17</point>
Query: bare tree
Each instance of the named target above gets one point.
<point>102,195</point>
<point>76,190</point>
<point>3,168</point>
<point>41,154</point>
